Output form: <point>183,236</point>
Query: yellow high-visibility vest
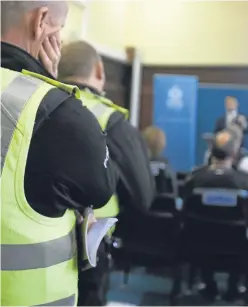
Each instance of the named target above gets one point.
<point>103,108</point>
<point>38,253</point>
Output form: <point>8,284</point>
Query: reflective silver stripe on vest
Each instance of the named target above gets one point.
<point>13,100</point>
<point>99,109</point>
<point>40,255</point>
<point>68,301</point>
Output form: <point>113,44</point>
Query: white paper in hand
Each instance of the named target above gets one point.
<point>94,235</point>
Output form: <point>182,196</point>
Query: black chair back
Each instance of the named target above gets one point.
<point>149,237</point>
<point>214,222</point>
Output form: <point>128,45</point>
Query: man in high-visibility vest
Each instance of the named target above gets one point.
<point>54,159</point>
<point>81,65</point>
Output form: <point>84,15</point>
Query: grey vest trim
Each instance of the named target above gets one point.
<point>99,109</point>
<point>13,100</point>
<point>17,257</point>
<point>68,301</point>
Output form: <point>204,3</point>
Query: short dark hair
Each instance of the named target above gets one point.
<point>77,59</point>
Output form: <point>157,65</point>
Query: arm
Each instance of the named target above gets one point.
<point>243,165</point>
<point>170,179</point>
<point>68,165</point>
<point>174,182</point>
<point>218,125</point>
<point>242,121</point>
<point>188,187</point>
<point>129,152</point>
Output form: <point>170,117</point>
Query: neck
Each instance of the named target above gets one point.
<point>232,111</point>
<point>78,80</point>
<point>227,163</point>
<point>15,37</point>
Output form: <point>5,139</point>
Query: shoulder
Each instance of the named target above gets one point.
<point>66,110</point>
<point>118,126</point>
<point>220,119</point>
<point>116,119</point>
<point>241,177</point>
<point>199,170</point>
<point>243,164</point>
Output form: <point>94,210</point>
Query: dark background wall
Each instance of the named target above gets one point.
<point>118,77</point>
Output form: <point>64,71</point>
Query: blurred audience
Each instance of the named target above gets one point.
<point>219,174</point>
<point>239,160</point>
<point>165,177</point>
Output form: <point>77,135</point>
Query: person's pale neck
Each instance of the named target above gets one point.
<point>16,38</point>
<point>82,81</point>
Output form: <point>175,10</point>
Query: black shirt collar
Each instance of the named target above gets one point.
<point>83,87</point>
<point>15,58</point>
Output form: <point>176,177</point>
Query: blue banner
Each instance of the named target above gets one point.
<point>175,108</point>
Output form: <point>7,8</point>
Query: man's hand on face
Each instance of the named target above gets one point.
<point>50,55</point>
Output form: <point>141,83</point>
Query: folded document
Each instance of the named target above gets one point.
<point>93,236</point>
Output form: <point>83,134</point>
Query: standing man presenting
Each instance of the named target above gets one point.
<point>232,116</point>
<point>54,160</point>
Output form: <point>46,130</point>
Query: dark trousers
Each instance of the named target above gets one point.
<point>93,284</point>
<point>208,279</point>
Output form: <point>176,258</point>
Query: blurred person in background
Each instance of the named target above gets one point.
<point>240,158</point>
<point>82,65</point>
<point>57,159</point>
<point>243,163</point>
<point>232,116</point>
<point>219,174</point>
<point>165,177</point>
<point>208,137</point>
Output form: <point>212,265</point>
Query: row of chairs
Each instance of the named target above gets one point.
<point>168,237</point>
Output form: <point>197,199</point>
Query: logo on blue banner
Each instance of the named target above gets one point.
<point>175,98</point>
<point>175,106</point>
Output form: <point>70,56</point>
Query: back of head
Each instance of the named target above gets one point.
<point>226,144</point>
<point>13,11</point>
<point>78,59</point>
<point>155,140</point>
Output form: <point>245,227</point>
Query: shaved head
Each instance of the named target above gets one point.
<point>12,12</point>
<point>77,59</point>
<point>29,24</point>
<point>81,63</point>
<point>226,143</point>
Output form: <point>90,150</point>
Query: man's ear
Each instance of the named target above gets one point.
<point>40,23</point>
<point>100,74</point>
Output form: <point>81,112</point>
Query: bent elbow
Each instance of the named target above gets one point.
<point>106,188</point>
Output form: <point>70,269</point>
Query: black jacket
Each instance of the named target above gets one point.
<point>127,149</point>
<point>206,177</point>
<point>65,165</point>
<point>221,124</point>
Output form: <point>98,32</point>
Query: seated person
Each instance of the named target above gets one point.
<point>220,173</point>
<point>241,158</point>
<point>165,177</point>
<point>242,163</point>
